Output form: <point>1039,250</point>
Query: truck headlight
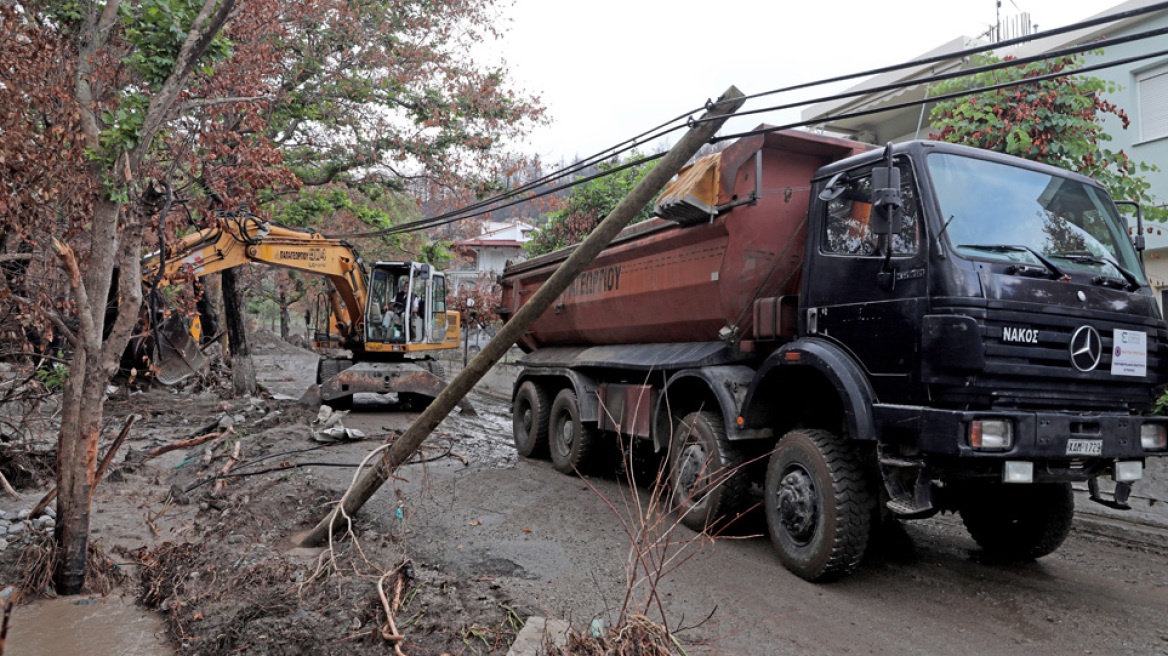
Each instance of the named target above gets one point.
<point>1153,437</point>
<point>991,434</point>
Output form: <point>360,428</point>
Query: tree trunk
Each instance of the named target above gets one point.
<point>243,377</point>
<point>206,306</point>
<point>92,365</point>
<point>285,320</point>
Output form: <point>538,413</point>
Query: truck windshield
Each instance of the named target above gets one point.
<point>998,211</point>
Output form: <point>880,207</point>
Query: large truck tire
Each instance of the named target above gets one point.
<point>572,442</point>
<point>707,475</point>
<point>529,420</point>
<point>1018,522</point>
<point>818,504</point>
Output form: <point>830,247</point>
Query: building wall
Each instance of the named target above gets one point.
<point>1127,98</point>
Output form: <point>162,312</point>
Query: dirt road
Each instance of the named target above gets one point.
<point>561,543</point>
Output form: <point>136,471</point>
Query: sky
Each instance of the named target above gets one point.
<point>607,70</point>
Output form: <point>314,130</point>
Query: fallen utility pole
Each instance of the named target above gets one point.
<point>641,195</point>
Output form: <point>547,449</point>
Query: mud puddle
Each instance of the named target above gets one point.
<point>68,625</point>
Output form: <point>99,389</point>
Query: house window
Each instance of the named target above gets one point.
<point>1153,94</point>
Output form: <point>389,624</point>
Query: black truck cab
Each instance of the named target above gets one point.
<point>999,313</point>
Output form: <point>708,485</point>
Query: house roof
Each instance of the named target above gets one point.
<point>489,242</point>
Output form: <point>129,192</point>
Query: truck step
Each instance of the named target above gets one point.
<point>907,509</point>
<point>898,461</point>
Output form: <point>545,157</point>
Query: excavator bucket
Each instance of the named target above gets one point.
<point>401,378</point>
<point>178,356</point>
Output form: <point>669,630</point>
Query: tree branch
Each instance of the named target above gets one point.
<point>16,257</point>
<point>53,318</point>
<point>198,103</point>
<point>203,31</point>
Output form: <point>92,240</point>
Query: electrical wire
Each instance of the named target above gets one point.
<point>492,204</point>
<point>947,96</point>
<point>1111,18</point>
<point>466,212</point>
<point>296,465</point>
<point>423,224</point>
<point>968,72</point>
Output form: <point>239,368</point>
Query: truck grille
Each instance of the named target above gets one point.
<point>1040,374</point>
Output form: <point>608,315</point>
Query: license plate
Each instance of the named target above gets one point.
<point>1084,447</point>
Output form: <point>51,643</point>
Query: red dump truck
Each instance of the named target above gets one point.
<point>857,333</point>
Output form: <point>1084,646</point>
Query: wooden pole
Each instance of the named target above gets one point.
<point>646,189</point>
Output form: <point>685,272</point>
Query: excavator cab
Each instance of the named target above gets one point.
<point>406,309</point>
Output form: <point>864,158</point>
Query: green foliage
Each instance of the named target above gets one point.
<point>314,207</point>
<point>1057,121</point>
<point>54,378</point>
<point>588,204</point>
<point>1160,407</point>
<point>156,30</point>
<point>436,253</point>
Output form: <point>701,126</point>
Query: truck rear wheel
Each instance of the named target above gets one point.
<point>706,473</point>
<point>818,504</point>
<point>1018,522</point>
<point>570,440</point>
<point>529,420</point>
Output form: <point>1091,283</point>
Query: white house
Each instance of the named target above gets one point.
<point>488,253</point>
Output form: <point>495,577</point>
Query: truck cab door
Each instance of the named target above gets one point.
<point>856,296</point>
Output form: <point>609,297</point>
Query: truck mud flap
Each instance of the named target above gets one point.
<point>178,355</point>
<point>386,378</point>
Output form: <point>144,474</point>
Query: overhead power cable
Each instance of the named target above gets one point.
<point>947,96</point>
<point>1037,36</point>
<point>967,72</point>
<point>496,202</point>
<point>489,204</point>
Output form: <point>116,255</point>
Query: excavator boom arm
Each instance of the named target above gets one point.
<point>239,240</point>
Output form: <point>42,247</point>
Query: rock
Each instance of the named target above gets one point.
<point>8,591</point>
<point>225,422</point>
<point>178,495</point>
<point>3,515</point>
<point>117,475</point>
<point>536,633</point>
<point>3,546</point>
<point>40,522</point>
<point>22,513</point>
<point>235,538</point>
<point>239,419</point>
<point>51,511</point>
<point>17,529</point>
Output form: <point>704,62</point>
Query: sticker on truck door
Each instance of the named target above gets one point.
<point>1129,354</point>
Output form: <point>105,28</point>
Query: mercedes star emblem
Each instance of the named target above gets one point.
<point>1086,348</point>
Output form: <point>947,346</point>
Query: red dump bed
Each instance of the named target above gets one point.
<point>664,282</point>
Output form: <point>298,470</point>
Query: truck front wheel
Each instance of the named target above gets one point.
<point>571,441</point>
<point>1018,522</point>
<point>706,474</point>
<point>818,504</point>
<point>529,420</point>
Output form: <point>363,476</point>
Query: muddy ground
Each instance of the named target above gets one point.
<point>477,539</point>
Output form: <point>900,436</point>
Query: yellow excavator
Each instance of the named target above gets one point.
<point>391,316</point>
